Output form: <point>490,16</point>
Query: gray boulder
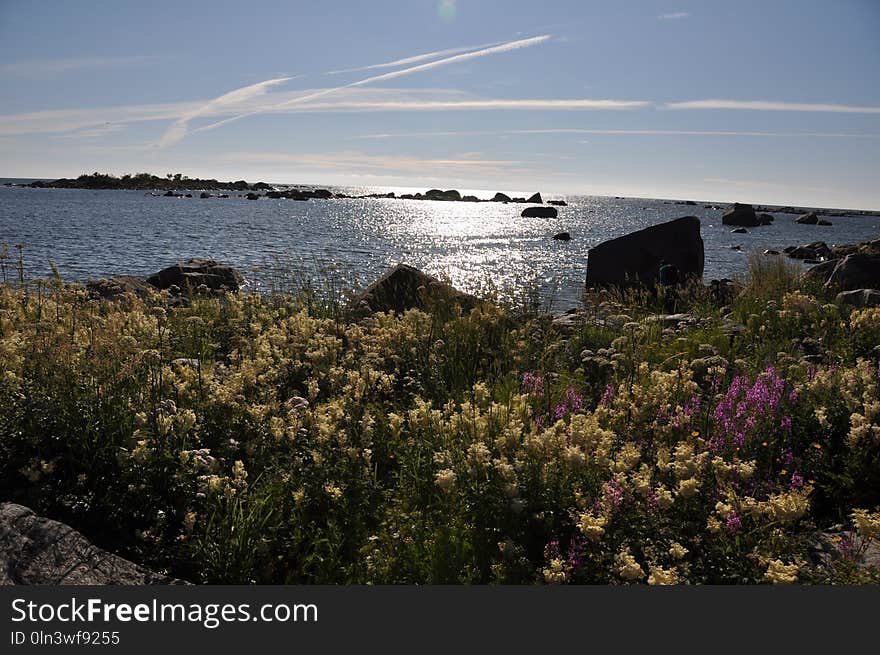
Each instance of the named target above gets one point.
<point>741,215</point>
<point>636,257</point>
<point>859,298</point>
<point>405,287</point>
<point>539,212</point>
<point>120,287</point>
<point>191,274</point>
<point>35,550</point>
<point>858,271</point>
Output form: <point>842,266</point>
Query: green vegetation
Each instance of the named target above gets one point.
<point>260,439</point>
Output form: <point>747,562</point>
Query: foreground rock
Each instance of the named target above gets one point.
<point>188,276</point>
<point>859,298</point>
<point>636,257</point>
<point>120,287</point>
<point>857,271</point>
<point>405,287</point>
<point>37,550</point>
<point>815,250</point>
<point>539,212</point>
<point>741,215</point>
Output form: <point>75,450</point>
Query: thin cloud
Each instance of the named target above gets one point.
<point>459,105</point>
<point>417,58</point>
<point>505,47</point>
<point>178,129</point>
<point>676,15</point>
<point>627,132</point>
<point>768,105</point>
<point>38,67</point>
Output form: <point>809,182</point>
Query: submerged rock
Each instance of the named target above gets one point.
<point>558,203</point>
<point>35,550</point>
<point>636,257</point>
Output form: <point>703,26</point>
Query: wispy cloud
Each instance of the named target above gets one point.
<point>626,132</point>
<point>504,47</point>
<point>358,161</point>
<point>453,105</point>
<point>417,58</point>
<point>37,67</point>
<point>770,105</point>
<point>676,15</point>
<point>179,128</point>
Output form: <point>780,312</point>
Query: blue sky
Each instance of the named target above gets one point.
<point>758,101</point>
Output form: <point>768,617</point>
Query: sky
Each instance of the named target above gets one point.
<point>770,101</point>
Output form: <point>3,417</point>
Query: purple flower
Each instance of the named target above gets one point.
<point>797,481</point>
<point>733,523</point>
<point>608,396</point>
<point>613,494</point>
<point>533,383</point>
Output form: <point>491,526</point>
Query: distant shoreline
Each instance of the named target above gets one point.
<point>172,183</point>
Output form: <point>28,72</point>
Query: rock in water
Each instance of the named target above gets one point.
<point>636,257</point>
<point>539,212</point>
<point>501,197</point>
<point>437,194</point>
<point>558,203</point>
<point>808,219</point>
<point>405,287</point>
<point>562,236</point>
<point>815,250</point>
<point>536,198</point>
<point>741,215</point>
<point>858,271</point>
<point>38,551</point>
<point>191,274</point>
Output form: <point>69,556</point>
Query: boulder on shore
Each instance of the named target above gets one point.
<point>192,274</point>
<point>539,212</point>
<point>405,287</point>
<point>858,271</point>
<point>815,250</point>
<point>635,258</point>
<point>859,298</point>
<point>741,215</point>
<point>120,287</point>
<point>35,550</point>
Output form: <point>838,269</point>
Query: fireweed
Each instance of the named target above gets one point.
<point>250,438</point>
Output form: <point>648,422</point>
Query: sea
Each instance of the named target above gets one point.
<point>337,246</point>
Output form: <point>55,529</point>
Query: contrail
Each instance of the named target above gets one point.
<point>417,58</point>
<point>504,47</point>
<point>179,128</point>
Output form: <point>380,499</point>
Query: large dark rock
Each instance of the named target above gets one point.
<point>536,198</point>
<point>501,197</point>
<point>253,196</point>
<point>858,271</point>
<point>741,215</point>
<point>636,257</point>
<point>815,250</point>
<point>540,212</point>
<point>120,287</point>
<point>765,219</point>
<point>38,551</point>
<point>820,272</point>
<point>859,298</point>
<point>405,287</point>
<point>191,274</point>
<point>437,194</point>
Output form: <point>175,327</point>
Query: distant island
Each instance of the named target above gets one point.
<point>145,182</point>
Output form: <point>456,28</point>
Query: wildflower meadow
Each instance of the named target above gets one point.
<point>246,438</point>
